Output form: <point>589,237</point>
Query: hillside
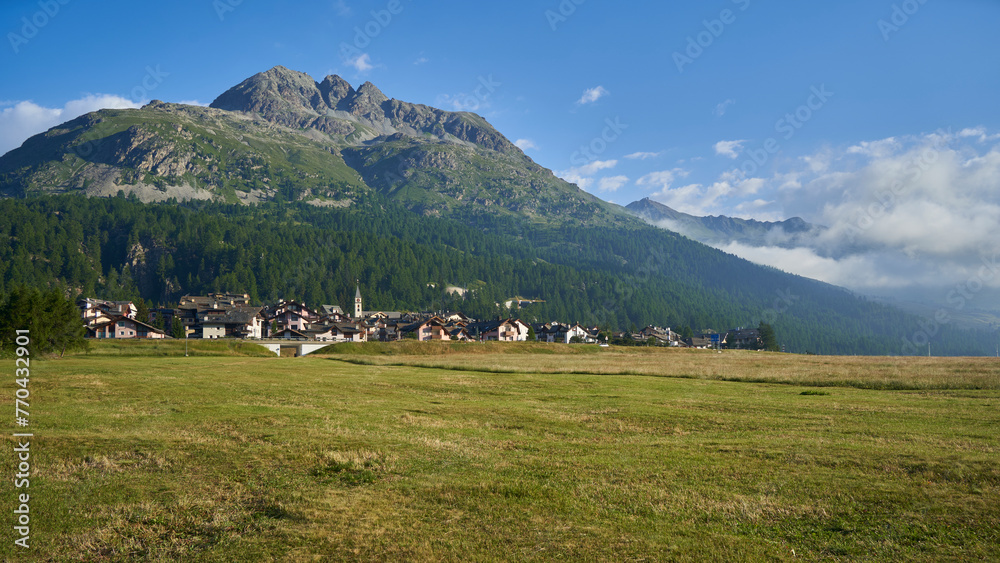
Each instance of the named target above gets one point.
<point>351,184</point>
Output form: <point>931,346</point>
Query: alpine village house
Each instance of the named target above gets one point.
<point>224,315</point>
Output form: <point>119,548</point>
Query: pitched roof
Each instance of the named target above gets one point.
<point>117,319</point>
<point>331,309</point>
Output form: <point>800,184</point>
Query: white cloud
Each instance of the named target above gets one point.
<point>858,271</point>
<point>421,60</point>
<point>25,118</point>
<point>573,176</point>
<point>591,95</point>
<point>979,133</point>
<point>642,155</point>
<point>721,109</point>
<point>583,176</point>
<point>759,209</point>
<point>525,144</point>
<point>662,179</point>
<point>596,166</point>
<point>902,212</point>
<point>192,103</point>
<point>917,196</point>
<point>361,63</point>
<point>612,183</point>
<point>877,149</point>
<point>732,149</point>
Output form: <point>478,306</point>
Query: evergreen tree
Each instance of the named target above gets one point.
<point>768,339</point>
<point>142,314</point>
<point>177,328</point>
<point>53,321</point>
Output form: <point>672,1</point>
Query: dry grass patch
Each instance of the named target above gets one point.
<point>902,373</point>
<point>311,459</point>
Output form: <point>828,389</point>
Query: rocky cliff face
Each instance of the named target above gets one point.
<point>333,106</point>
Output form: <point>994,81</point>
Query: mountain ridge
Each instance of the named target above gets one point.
<point>294,98</point>
<point>281,134</point>
<point>720,229</point>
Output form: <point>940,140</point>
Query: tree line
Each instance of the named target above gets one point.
<point>119,248</point>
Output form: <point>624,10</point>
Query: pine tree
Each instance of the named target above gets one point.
<point>768,339</point>
<point>142,314</point>
<point>177,328</point>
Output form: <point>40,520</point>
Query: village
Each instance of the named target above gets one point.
<point>224,315</point>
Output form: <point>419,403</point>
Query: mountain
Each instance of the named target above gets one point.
<point>291,188</point>
<point>720,230</point>
<point>280,135</point>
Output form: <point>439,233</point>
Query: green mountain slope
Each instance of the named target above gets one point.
<point>351,184</point>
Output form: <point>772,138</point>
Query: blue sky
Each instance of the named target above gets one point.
<point>672,100</point>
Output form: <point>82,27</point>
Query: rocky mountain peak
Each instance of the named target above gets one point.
<point>335,89</point>
<point>293,99</point>
<point>270,92</point>
<point>368,102</point>
<point>371,92</point>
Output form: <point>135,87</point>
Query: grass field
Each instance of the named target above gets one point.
<point>482,452</point>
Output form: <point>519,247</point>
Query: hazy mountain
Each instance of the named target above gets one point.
<point>720,229</point>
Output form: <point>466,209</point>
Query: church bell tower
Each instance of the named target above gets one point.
<point>357,302</point>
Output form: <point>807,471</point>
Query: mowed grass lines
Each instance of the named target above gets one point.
<point>902,373</point>
<point>270,459</point>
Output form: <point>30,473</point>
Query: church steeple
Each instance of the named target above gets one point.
<point>357,301</point>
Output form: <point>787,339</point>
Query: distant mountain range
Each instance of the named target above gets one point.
<point>357,173</point>
<point>721,230</point>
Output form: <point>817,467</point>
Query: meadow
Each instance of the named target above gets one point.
<point>440,452</point>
